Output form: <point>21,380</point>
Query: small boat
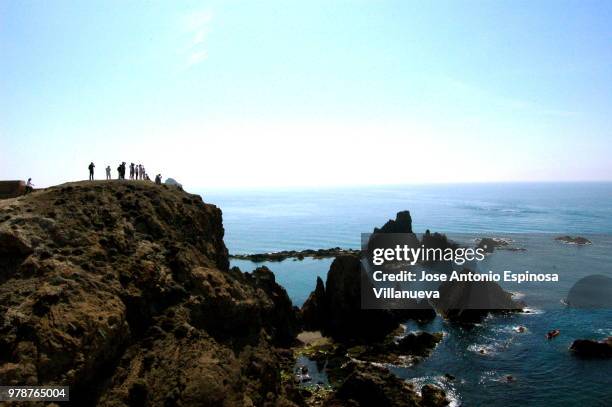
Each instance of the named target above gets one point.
<point>552,334</point>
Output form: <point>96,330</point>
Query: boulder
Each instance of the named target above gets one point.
<point>419,344</point>
<point>433,396</point>
<point>11,189</point>
<point>591,348</point>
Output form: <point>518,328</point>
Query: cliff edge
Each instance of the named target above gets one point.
<point>122,291</point>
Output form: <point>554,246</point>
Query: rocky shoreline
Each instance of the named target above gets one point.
<point>295,254</point>
<point>123,291</point>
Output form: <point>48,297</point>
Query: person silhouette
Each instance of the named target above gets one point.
<point>29,186</point>
<point>131,170</point>
<point>91,171</point>
<point>108,172</point>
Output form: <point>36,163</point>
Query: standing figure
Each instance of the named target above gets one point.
<point>108,172</point>
<point>91,171</point>
<point>131,170</point>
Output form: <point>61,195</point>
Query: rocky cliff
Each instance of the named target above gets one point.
<point>122,290</point>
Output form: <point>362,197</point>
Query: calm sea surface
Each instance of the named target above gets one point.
<point>530,214</point>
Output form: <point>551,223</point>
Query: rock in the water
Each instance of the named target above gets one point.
<point>578,240</point>
<point>470,302</point>
<point>401,224</point>
<point>591,348</point>
<point>336,308</point>
<point>368,385</point>
<point>433,396</point>
<point>489,244</point>
<point>419,344</point>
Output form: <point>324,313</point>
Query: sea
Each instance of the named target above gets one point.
<point>529,215</point>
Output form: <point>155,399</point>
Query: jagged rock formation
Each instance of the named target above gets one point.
<point>401,224</point>
<point>336,308</point>
<point>123,291</point>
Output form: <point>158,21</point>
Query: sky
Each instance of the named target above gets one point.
<point>237,94</point>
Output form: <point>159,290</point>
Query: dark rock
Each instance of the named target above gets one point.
<point>433,396</point>
<point>339,306</point>
<point>367,385</point>
<point>470,302</point>
<point>591,348</point>
<point>578,240</point>
<point>314,310</point>
<point>490,244</point>
<point>419,344</point>
<point>401,224</point>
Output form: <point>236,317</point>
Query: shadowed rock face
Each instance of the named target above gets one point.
<point>336,308</point>
<point>592,349</point>
<point>122,290</point>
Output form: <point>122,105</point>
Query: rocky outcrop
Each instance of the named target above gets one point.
<point>336,308</point>
<point>295,254</point>
<point>419,343</point>
<point>577,240</point>
<point>122,291</point>
<point>591,348</point>
<point>401,224</point>
<point>368,385</point>
<point>470,302</point>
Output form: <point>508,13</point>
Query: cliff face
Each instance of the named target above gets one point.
<point>122,290</point>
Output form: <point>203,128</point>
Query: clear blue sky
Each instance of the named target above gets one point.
<point>232,94</point>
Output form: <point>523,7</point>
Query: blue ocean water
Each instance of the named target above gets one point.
<point>531,214</point>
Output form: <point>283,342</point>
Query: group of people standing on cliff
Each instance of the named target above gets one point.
<point>136,172</point>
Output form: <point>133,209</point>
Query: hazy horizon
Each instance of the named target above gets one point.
<point>229,95</point>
